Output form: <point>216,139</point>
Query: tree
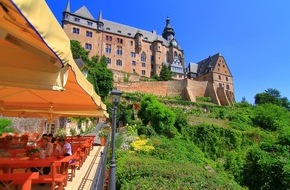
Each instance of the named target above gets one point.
<point>160,117</point>
<point>98,73</point>
<point>272,96</point>
<point>78,51</point>
<point>165,74</point>
<point>100,76</point>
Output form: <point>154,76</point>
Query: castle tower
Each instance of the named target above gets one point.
<point>168,32</point>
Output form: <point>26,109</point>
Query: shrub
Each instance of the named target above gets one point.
<point>5,126</point>
<point>271,117</point>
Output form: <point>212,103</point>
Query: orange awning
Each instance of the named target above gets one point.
<point>38,75</point>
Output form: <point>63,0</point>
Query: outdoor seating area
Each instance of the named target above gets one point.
<point>21,167</point>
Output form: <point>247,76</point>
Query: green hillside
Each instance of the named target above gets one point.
<point>167,143</point>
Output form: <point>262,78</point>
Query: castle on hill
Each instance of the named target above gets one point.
<point>136,54</point>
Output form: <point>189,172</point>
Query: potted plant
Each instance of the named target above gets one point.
<point>103,134</point>
<point>31,152</point>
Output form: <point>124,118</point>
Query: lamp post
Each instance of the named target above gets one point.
<point>116,95</point>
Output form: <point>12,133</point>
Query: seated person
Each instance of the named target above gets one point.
<point>52,139</point>
<point>64,148</point>
<point>46,148</point>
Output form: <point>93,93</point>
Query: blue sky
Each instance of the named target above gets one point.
<point>253,36</point>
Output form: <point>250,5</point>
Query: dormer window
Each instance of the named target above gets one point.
<point>129,34</point>
<point>77,19</point>
<point>90,23</point>
<point>108,28</point>
<point>119,31</point>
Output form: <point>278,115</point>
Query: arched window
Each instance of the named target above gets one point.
<point>143,56</point>
<point>175,53</point>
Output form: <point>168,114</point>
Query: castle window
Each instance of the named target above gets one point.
<point>119,50</point>
<point>77,19</point>
<point>119,31</point>
<point>134,71</point>
<point>228,87</point>
<point>109,38</point>
<point>119,40</point>
<point>219,64</point>
<point>146,38</point>
<point>143,64</point>
<point>88,46</point>
<point>108,28</point>
<point>133,54</point>
<point>220,77</point>
<point>108,60</point>
<point>89,34</point>
<point>76,30</point>
<point>90,23</point>
<point>131,43</point>
<point>143,56</point>
<point>134,63</point>
<point>108,48</point>
<point>220,85</point>
<point>227,79</point>
<point>119,62</point>
<point>225,71</point>
<point>129,34</point>
<point>143,72</point>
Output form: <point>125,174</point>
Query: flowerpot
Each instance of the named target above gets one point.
<point>102,141</point>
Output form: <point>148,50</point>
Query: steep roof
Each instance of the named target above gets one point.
<point>84,12</point>
<point>205,66</point>
<point>125,30</point>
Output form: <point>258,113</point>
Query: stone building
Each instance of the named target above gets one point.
<point>126,48</point>
<point>134,53</point>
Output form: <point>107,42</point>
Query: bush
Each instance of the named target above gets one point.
<point>271,117</point>
<point>5,126</point>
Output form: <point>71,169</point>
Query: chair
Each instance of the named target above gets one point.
<point>56,177</point>
<point>78,162</point>
<point>24,179</point>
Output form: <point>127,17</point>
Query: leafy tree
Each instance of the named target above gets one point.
<point>100,76</point>
<point>272,96</point>
<point>270,117</point>
<point>160,117</point>
<point>78,51</point>
<point>165,74</point>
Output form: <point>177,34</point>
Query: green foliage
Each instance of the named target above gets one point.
<point>270,169</point>
<point>131,129</point>
<point>181,120</point>
<point>270,117</point>
<point>78,51</point>
<point>213,140</point>
<point>148,131</point>
<point>5,126</point>
<point>73,131</point>
<point>161,118</point>
<point>139,171</point>
<point>203,99</point>
<point>272,96</point>
<point>100,76</point>
<point>60,133</point>
<point>165,74</point>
